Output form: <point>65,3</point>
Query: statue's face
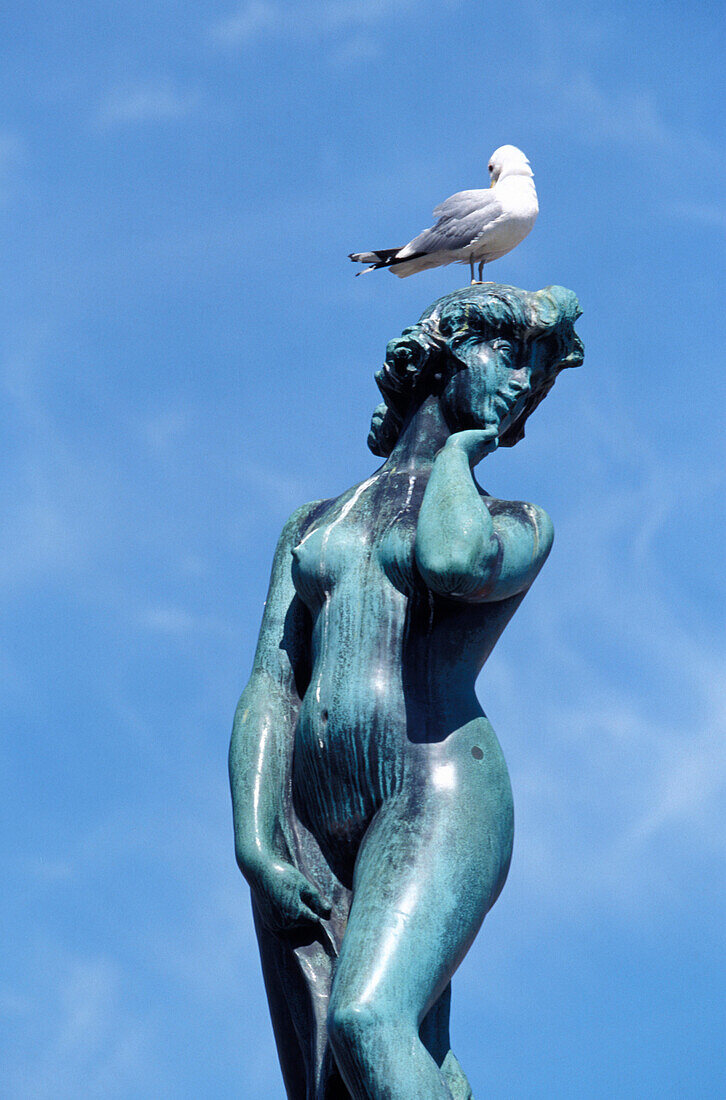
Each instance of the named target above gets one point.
<point>492,388</point>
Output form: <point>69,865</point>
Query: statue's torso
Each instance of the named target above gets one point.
<point>393,666</point>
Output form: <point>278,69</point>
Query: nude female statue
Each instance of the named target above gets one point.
<point>372,806</point>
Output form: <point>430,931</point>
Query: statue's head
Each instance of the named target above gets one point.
<point>489,353</point>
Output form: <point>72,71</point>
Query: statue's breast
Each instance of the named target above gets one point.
<point>395,553</point>
<point>325,556</point>
<point>367,537</point>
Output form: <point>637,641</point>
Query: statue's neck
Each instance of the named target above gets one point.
<point>423,434</point>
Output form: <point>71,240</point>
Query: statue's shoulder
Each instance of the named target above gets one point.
<point>310,515</point>
<point>521,512</point>
<point>302,519</point>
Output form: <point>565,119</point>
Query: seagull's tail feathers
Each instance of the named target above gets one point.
<point>384,257</point>
<point>381,258</point>
<point>387,257</point>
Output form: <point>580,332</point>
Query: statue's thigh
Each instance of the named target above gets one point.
<point>427,873</point>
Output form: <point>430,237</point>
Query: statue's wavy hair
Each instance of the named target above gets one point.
<point>421,360</point>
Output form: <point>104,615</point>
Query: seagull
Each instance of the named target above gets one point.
<point>473,226</point>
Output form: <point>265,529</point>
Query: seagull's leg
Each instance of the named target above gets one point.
<point>481,270</point>
<point>471,266</point>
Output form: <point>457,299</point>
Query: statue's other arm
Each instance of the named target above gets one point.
<point>260,751</point>
<point>463,550</point>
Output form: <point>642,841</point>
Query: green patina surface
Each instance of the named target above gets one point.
<point>372,805</point>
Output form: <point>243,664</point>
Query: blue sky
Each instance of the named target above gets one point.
<point>185,357</point>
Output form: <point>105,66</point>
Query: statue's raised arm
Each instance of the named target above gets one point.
<point>372,805</point>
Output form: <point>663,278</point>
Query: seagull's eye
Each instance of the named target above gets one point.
<point>491,167</point>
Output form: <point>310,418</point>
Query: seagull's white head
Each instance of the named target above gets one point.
<point>508,160</point>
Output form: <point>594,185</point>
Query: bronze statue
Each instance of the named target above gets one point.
<point>372,805</point>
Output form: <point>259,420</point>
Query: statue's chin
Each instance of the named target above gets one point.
<point>506,409</point>
<point>499,410</point>
<point>507,413</point>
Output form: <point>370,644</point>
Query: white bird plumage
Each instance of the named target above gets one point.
<point>473,227</point>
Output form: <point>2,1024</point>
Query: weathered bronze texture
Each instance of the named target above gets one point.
<point>372,805</point>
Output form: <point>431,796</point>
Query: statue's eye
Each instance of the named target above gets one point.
<point>504,347</point>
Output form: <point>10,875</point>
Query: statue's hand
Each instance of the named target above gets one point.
<point>475,443</point>
<point>286,899</point>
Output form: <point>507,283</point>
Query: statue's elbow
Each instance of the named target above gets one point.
<point>460,567</point>
<point>455,576</point>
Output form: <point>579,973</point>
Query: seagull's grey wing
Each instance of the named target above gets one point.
<point>463,218</point>
<point>464,202</point>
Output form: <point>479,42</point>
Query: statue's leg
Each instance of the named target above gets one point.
<point>430,867</point>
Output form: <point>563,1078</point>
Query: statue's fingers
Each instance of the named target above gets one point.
<point>471,438</point>
<point>291,917</point>
<point>315,900</point>
<point>307,915</point>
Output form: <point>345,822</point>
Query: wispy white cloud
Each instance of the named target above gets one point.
<point>357,50</point>
<point>84,1038</point>
<point>44,528</point>
<point>164,431</point>
<point>258,19</point>
<point>688,787</point>
<point>145,103</point>
<point>626,778</point>
<point>274,488</point>
<point>711,215</point>
<point>611,798</point>
<point>12,151</point>
<point>41,535</point>
<point>630,116</point>
<point>12,157</point>
<point>77,1018</point>
<point>624,113</point>
<point>180,623</point>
